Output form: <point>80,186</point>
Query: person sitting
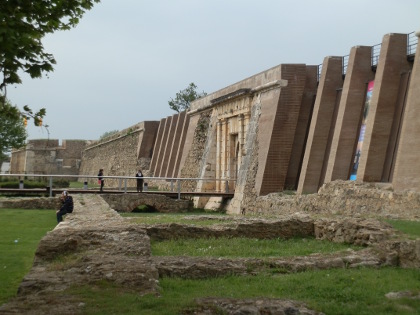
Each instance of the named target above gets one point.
<point>66,206</point>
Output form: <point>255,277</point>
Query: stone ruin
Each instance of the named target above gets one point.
<point>95,243</point>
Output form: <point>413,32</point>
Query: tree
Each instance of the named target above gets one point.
<point>23,25</point>
<point>12,128</point>
<point>184,98</point>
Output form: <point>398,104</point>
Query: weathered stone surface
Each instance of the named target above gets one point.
<point>339,198</point>
<point>129,202</point>
<point>353,231</point>
<point>402,295</point>
<point>407,252</point>
<point>262,229</point>
<point>250,306</point>
<point>201,268</point>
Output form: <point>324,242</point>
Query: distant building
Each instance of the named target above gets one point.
<point>5,168</point>
<point>48,157</point>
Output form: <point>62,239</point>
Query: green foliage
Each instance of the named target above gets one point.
<point>20,233</point>
<point>24,24</point>
<point>12,128</point>
<point>26,184</point>
<point>245,247</point>
<point>108,134</point>
<point>184,98</point>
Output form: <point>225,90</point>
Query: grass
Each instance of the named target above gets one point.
<point>245,247</point>
<point>20,233</point>
<point>410,228</point>
<point>335,291</point>
<point>356,291</point>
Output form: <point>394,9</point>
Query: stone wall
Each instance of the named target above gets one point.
<point>160,203</point>
<point>194,161</point>
<point>48,157</point>
<point>341,198</point>
<point>120,154</point>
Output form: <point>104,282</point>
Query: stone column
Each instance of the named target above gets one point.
<point>392,62</point>
<point>346,131</point>
<point>218,154</point>
<point>407,165</point>
<point>321,123</point>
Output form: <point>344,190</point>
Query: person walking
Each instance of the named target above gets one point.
<point>139,176</point>
<point>101,180</point>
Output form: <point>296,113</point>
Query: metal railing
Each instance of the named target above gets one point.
<point>319,72</point>
<point>175,182</point>
<point>376,50</point>
<point>412,41</point>
<point>345,64</point>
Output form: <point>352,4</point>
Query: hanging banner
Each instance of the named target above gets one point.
<point>353,173</point>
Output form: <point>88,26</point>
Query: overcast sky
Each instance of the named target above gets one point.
<point>127,58</point>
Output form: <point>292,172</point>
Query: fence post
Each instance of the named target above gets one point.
<point>226,186</point>
<point>179,189</point>
<point>51,187</point>
<point>85,185</point>
<point>21,186</point>
<point>172,185</point>
<point>125,185</point>
<point>119,184</point>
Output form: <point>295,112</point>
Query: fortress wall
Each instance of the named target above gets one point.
<point>302,128</point>
<point>118,154</point>
<point>174,144</point>
<point>392,63</point>
<point>350,110</point>
<point>278,121</point>
<point>157,145</point>
<point>17,161</point>
<point>48,157</point>
<point>321,124</point>
<point>160,166</point>
<point>167,149</point>
<point>407,165</point>
<point>193,161</point>
<point>146,142</point>
<point>182,129</point>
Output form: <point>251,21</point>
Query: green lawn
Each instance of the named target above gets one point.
<point>20,233</point>
<point>410,228</point>
<point>245,247</point>
<point>337,291</point>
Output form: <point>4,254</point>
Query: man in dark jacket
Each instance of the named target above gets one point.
<point>66,206</point>
<point>139,176</point>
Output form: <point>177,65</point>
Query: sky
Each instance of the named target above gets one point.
<point>127,58</point>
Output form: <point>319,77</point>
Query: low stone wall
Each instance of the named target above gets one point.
<point>360,232</point>
<point>260,229</point>
<point>129,202</point>
<point>95,243</point>
<point>343,198</point>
